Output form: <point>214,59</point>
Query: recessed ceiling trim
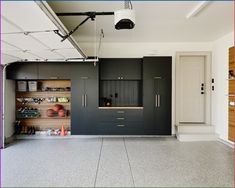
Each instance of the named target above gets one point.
<point>197,9</point>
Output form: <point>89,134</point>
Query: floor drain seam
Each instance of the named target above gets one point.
<point>98,165</point>
<point>129,162</point>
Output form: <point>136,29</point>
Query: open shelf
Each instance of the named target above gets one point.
<point>38,100</point>
<point>120,93</point>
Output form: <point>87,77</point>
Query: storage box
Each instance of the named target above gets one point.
<point>33,85</point>
<point>21,86</point>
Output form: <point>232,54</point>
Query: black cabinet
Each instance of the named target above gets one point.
<point>22,71</point>
<point>120,69</point>
<point>54,70</point>
<point>84,99</point>
<point>157,95</point>
<point>128,121</point>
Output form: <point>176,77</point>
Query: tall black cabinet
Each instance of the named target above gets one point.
<point>84,99</point>
<point>157,95</point>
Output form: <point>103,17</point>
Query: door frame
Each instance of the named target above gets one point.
<point>207,56</point>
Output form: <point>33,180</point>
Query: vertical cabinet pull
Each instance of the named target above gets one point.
<point>85,100</point>
<point>156,100</point>
<point>83,104</point>
<point>159,100</point>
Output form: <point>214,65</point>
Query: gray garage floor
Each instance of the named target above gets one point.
<point>117,162</point>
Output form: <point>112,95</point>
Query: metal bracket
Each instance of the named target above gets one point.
<point>90,15</point>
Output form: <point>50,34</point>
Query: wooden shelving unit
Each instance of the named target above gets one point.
<point>47,89</point>
<point>231,96</point>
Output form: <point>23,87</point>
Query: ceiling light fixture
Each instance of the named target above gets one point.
<point>125,18</point>
<point>197,9</point>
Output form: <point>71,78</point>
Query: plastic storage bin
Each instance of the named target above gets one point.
<point>21,86</point>
<point>33,85</point>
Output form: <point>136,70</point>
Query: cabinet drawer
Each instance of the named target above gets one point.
<point>119,125</point>
<point>121,115</point>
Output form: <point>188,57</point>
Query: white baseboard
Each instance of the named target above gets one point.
<point>194,137</point>
<point>226,142</point>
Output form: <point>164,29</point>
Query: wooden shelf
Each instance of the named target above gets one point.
<point>43,104</point>
<point>67,92</point>
<point>43,121</point>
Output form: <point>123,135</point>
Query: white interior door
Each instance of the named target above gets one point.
<point>192,89</point>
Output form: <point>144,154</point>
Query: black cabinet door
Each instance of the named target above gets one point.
<point>84,99</point>
<point>157,95</point>
<point>54,71</point>
<point>120,69</point>
<point>22,71</point>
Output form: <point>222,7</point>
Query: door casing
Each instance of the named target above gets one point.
<point>207,87</point>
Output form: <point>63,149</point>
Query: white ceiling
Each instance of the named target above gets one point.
<point>156,21</point>
<point>20,17</point>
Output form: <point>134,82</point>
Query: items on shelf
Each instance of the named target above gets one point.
<point>27,86</point>
<point>23,129</point>
<point>63,99</point>
<point>57,99</point>
<point>231,75</point>
<point>32,86</point>
<point>56,132</point>
<point>37,100</point>
<point>232,103</point>
<point>39,104</point>
<point>57,110</point>
<point>27,112</point>
<point>106,101</point>
<point>30,100</point>
<point>56,89</point>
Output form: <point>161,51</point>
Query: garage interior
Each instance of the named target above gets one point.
<point>117,93</point>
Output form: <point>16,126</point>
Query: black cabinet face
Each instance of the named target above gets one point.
<point>22,71</point>
<point>54,71</point>
<point>120,69</point>
<point>148,82</point>
<point>84,104</point>
<point>157,95</point>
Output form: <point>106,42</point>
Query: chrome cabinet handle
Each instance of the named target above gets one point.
<point>120,118</point>
<point>157,77</point>
<point>120,112</point>
<point>121,125</point>
<point>156,100</point>
<point>83,101</point>
<point>159,100</point>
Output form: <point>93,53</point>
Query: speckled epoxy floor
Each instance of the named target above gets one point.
<point>117,162</point>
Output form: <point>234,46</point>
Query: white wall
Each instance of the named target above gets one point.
<point>8,100</point>
<point>220,74</point>
<point>131,50</point>
<point>9,108</point>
